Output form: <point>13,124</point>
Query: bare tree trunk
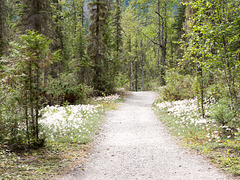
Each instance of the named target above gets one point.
<point>136,74</point>
<point>142,76</point>
<point>132,76</point>
<point>31,98</point>
<point>82,15</point>
<point>37,105</point>
<point>2,19</point>
<point>1,28</point>
<point>162,40</point>
<point>142,64</point>
<point>118,31</point>
<point>200,77</point>
<point>159,37</point>
<point>97,70</point>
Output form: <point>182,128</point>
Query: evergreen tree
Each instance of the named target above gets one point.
<point>3,10</point>
<point>117,26</point>
<point>97,48</point>
<point>35,15</point>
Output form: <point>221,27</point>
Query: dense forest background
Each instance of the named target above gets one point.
<point>58,51</point>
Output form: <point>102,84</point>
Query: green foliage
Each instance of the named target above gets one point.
<point>21,91</point>
<point>65,88</point>
<point>207,136</point>
<point>61,152</point>
<point>210,42</point>
<point>178,86</point>
<point>222,113</point>
<point>216,91</point>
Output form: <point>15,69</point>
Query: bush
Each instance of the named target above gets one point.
<point>216,91</point>
<point>65,88</point>
<point>222,113</point>
<point>178,86</point>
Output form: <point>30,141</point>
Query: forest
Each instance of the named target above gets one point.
<point>58,53</point>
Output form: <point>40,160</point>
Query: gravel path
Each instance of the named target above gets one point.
<point>133,145</point>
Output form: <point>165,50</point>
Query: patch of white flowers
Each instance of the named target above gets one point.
<point>71,123</point>
<point>187,110</point>
<point>187,114</point>
<point>108,98</point>
<point>73,114</point>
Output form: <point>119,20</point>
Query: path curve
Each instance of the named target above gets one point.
<point>133,145</point>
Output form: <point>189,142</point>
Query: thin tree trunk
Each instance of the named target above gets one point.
<point>82,15</point>
<point>142,76</point>
<point>159,37</point>
<point>1,28</point>
<point>75,17</point>
<point>31,99</point>
<point>136,74</point>
<point>162,42</point>
<point>132,76</point>
<point>118,33</point>
<point>97,73</point>
<point>37,106</point>
<point>142,64</point>
<point>200,81</point>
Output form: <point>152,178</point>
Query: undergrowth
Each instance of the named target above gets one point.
<point>68,130</point>
<point>221,143</point>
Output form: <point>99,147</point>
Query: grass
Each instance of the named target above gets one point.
<point>68,131</point>
<point>202,134</point>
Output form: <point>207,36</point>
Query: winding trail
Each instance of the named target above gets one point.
<point>133,145</point>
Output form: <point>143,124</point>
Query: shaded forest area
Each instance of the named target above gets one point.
<point>52,52</point>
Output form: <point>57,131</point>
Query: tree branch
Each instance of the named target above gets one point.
<point>159,15</point>
<point>154,42</point>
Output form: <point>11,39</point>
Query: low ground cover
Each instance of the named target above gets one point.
<point>67,131</point>
<point>221,143</point>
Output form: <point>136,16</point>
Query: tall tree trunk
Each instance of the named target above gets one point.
<point>1,28</point>
<point>118,28</point>
<point>200,81</point>
<point>2,22</point>
<point>31,99</point>
<point>136,74</point>
<point>142,64</point>
<point>162,40</point>
<point>97,63</point>
<point>82,15</point>
<point>37,104</point>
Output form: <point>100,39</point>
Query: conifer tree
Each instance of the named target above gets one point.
<point>117,25</point>
<point>35,15</point>
<point>97,48</point>
<point>2,26</point>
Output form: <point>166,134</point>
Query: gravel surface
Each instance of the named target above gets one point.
<point>133,145</point>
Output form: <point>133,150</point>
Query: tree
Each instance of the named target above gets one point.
<point>22,89</point>
<point>3,10</point>
<point>212,39</point>
<point>35,15</point>
<point>97,48</point>
<point>117,26</point>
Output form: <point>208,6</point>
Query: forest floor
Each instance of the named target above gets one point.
<point>133,144</point>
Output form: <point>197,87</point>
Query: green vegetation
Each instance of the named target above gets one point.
<point>217,135</point>
<point>68,131</point>
<point>55,52</point>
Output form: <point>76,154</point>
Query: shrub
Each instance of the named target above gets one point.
<point>20,90</point>
<point>65,88</point>
<point>178,86</point>
<point>216,91</point>
<point>222,113</point>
